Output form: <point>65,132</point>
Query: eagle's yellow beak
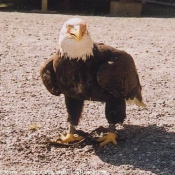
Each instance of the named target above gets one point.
<point>77,31</point>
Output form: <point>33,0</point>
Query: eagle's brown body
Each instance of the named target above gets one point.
<point>108,76</point>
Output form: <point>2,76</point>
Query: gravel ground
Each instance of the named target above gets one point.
<point>26,40</point>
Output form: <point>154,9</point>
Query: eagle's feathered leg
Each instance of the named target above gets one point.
<point>48,76</point>
<point>74,109</point>
<point>115,111</point>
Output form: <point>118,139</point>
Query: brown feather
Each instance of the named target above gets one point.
<point>109,76</point>
<point>48,76</point>
<point>119,76</point>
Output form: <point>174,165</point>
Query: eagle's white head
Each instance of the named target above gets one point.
<point>74,40</point>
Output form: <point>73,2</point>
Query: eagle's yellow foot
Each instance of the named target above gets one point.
<point>110,137</point>
<point>70,138</point>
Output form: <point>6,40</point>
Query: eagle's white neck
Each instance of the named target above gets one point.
<point>73,49</point>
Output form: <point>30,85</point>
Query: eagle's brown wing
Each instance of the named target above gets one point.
<point>48,76</point>
<point>119,76</point>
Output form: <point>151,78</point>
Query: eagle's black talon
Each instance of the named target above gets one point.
<point>101,129</point>
<point>82,133</point>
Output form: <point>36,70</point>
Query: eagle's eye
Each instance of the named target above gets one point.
<point>69,26</point>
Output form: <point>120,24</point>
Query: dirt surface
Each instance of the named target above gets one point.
<point>29,113</point>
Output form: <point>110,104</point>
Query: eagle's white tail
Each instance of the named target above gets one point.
<point>135,101</point>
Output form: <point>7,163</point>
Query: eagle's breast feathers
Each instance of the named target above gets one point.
<point>108,72</point>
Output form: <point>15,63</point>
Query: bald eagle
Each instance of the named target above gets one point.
<point>84,70</point>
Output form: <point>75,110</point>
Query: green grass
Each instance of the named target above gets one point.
<point>2,5</point>
<point>6,5</point>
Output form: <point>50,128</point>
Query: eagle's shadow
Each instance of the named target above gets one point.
<point>149,148</point>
